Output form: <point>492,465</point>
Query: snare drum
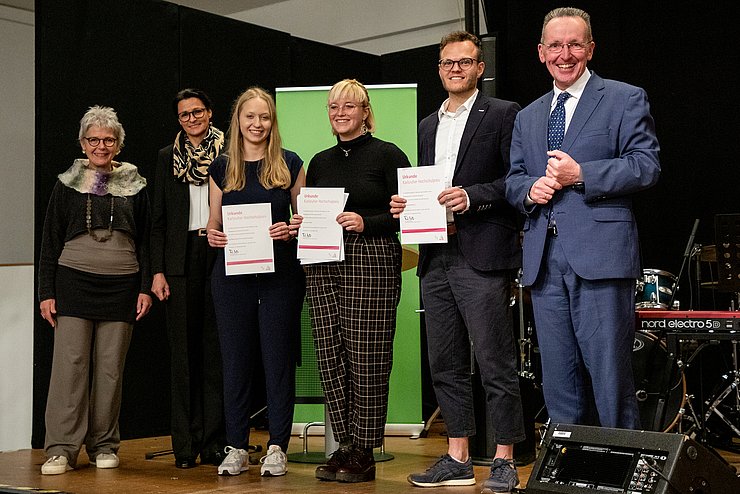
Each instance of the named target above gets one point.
<point>654,290</point>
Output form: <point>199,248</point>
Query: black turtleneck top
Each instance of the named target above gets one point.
<point>366,168</point>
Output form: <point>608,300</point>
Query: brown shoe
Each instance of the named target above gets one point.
<point>336,460</point>
<point>360,467</point>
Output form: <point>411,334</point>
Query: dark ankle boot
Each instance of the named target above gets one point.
<point>336,460</point>
<point>359,467</point>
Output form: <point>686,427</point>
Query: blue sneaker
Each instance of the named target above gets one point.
<point>446,471</point>
<point>503,477</point>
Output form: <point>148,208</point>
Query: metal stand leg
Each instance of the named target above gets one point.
<point>330,445</point>
<point>317,457</point>
<point>382,455</point>
<point>425,431</point>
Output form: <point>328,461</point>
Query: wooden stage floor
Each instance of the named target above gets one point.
<point>137,475</point>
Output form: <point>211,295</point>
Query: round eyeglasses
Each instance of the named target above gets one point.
<point>347,107</point>
<point>95,141</point>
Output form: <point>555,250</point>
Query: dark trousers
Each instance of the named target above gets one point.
<point>197,385</point>
<point>258,323</point>
<point>585,329</point>
<point>462,306</point>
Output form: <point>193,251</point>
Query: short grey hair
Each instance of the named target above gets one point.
<point>568,12</point>
<point>104,117</point>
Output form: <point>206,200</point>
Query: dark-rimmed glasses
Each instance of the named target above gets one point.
<point>463,63</point>
<point>185,116</point>
<point>108,142</point>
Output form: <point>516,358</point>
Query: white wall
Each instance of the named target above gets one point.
<point>16,356</point>
<point>17,303</point>
<point>379,26</point>
<point>16,135</point>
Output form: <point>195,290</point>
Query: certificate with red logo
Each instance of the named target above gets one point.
<point>320,237</point>
<point>424,220</point>
<point>249,248</point>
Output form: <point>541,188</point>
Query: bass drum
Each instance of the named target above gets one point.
<point>660,385</point>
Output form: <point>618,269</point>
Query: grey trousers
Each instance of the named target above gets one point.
<point>79,411</point>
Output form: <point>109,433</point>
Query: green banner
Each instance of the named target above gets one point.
<point>305,129</point>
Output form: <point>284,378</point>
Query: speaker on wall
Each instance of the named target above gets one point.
<point>577,459</point>
<point>488,80</point>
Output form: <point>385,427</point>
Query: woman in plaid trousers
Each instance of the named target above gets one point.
<point>353,302</point>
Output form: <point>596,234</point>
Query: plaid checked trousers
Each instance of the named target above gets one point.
<point>353,313</point>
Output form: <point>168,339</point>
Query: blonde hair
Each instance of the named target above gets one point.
<point>274,171</point>
<point>353,90</point>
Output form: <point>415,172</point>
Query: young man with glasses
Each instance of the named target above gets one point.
<point>465,283</point>
<point>578,154</point>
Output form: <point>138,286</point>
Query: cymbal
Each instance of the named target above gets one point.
<point>708,254</point>
<point>409,258</point>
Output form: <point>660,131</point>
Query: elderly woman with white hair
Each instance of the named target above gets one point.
<point>93,285</point>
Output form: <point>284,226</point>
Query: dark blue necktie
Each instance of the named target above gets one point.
<point>556,124</point>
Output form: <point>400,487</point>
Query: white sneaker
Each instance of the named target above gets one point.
<point>55,466</point>
<point>236,461</point>
<point>274,463</point>
<point>106,460</point>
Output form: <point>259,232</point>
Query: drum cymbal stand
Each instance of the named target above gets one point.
<point>731,392</point>
<point>686,255</point>
<point>525,341</point>
<point>698,425</point>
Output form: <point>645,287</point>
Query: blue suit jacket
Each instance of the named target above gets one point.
<point>612,136</point>
<point>488,231</point>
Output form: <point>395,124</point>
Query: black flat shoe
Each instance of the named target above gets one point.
<point>212,457</point>
<point>185,462</point>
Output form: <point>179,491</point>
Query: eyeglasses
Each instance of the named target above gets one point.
<point>107,141</point>
<point>348,108</point>
<point>197,113</point>
<point>463,63</point>
<point>575,47</point>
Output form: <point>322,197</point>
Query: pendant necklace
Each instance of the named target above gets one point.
<point>88,221</point>
<point>346,151</point>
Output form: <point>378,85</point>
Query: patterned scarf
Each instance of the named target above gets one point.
<point>190,164</point>
<point>123,181</point>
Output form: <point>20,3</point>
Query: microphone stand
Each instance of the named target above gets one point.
<point>686,255</point>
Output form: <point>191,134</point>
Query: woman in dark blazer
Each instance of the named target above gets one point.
<point>181,264</point>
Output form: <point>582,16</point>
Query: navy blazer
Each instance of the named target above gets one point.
<point>488,231</point>
<point>612,136</point>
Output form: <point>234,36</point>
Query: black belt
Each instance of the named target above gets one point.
<point>200,232</point>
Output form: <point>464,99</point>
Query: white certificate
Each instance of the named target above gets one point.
<point>249,247</point>
<point>424,220</point>
<point>320,236</point>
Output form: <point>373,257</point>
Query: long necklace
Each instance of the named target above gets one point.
<point>88,220</point>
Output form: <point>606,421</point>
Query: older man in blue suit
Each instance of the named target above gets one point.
<point>578,154</point>
<point>466,283</point>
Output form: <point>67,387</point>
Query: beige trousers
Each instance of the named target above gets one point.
<point>84,400</point>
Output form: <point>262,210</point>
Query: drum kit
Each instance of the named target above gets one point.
<point>665,396</point>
